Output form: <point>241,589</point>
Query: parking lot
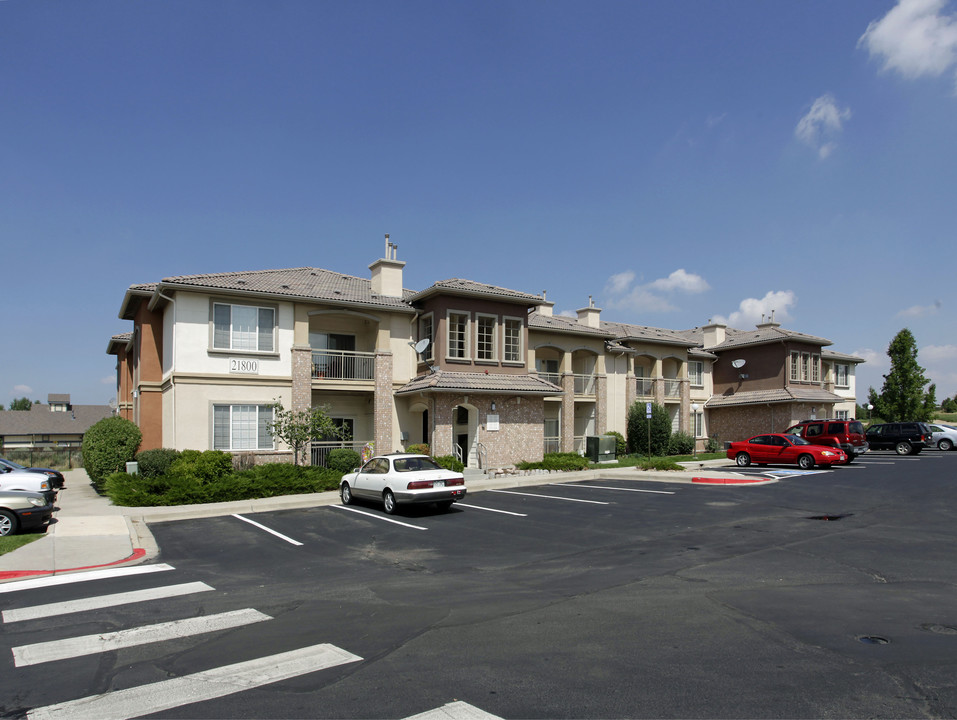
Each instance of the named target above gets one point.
<point>819,593</point>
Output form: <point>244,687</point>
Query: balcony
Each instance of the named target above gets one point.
<point>553,378</point>
<point>342,365</point>
<point>673,389</point>
<point>645,387</point>
<point>585,385</point>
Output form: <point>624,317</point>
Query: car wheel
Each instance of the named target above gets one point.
<point>345,493</point>
<point>946,444</point>
<point>903,448</point>
<point>388,501</point>
<point>8,523</point>
<point>742,459</point>
<point>805,462</point>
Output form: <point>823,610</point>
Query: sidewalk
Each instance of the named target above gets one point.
<point>90,532</point>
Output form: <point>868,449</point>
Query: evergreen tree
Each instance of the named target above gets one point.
<point>903,396</point>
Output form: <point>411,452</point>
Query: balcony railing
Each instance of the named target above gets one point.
<point>672,388</point>
<point>645,387</point>
<point>320,449</point>
<point>553,444</point>
<point>553,378</point>
<point>584,384</point>
<point>343,365</point>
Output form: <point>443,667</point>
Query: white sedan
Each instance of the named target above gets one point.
<point>945,437</point>
<point>403,478</point>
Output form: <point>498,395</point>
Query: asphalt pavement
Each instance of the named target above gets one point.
<point>88,532</point>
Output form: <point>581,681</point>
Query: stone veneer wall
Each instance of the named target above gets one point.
<point>301,377</point>
<point>601,404</point>
<point>568,413</point>
<point>383,410</point>
<point>740,423</point>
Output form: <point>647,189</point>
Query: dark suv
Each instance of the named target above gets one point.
<point>845,434</point>
<point>905,438</point>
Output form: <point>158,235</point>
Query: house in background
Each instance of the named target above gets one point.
<point>58,424</point>
<point>479,371</point>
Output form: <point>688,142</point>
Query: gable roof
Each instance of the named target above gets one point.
<point>625,332</point>
<point>445,381</point>
<point>763,335</point>
<point>470,288</point>
<point>564,324</point>
<point>41,420</point>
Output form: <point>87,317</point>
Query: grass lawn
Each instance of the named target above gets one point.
<point>10,543</point>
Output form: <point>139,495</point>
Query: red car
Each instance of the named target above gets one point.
<point>783,449</point>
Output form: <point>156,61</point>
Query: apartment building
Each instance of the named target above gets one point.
<point>479,371</point>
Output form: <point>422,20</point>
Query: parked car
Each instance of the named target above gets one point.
<point>56,477</point>
<point>403,478</point>
<point>943,436</point>
<point>905,438</point>
<point>781,448</point>
<point>21,511</point>
<point>25,481</point>
<point>845,434</point>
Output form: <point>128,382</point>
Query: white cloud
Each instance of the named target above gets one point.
<point>919,311</point>
<point>22,390</point>
<point>623,294</point>
<point>752,311</point>
<point>914,38</point>
<point>822,124</point>
<point>108,380</point>
<point>938,354</point>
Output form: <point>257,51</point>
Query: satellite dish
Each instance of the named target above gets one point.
<point>422,345</point>
<point>739,363</point>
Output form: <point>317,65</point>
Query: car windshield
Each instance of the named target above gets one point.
<point>11,464</point>
<point>415,463</point>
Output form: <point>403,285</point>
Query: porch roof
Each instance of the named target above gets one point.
<point>444,381</point>
<point>765,397</point>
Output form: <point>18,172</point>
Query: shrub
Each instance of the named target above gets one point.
<point>714,445</point>
<point>621,446</point>
<point>418,449</point>
<point>107,446</point>
<point>450,462</point>
<point>153,463</point>
<point>557,461</point>
<point>681,444</point>
<point>203,467</point>
<point>638,433</point>
<point>343,460</point>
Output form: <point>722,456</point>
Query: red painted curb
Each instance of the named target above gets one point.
<point>137,554</point>
<point>728,481</point>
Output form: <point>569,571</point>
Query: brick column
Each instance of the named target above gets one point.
<point>568,412</point>
<point>301,377</point>
<point>686,406</point>
<point>382,403</point>
<point>601,404</point>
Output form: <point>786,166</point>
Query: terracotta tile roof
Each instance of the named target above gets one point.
<point>304,283</point>
<point>470,288</point>
<point>835,355</point>
<point>781,395</point>
<point>760,336</point>
<point>445,381</point>
<point>40,420</point>
<point>564,324</point>
<point>643,333</point>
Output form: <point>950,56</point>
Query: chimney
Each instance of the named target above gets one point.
<point>590,315</point>
<point>713,334</point>
<point>387,272</point>
<point>545,309</point>
<point>764,325</point>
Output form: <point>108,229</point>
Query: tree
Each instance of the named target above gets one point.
<point>638,433</point>
<point>903,396</point>
<point>297,428</point>
<point>949,405</point>
<point>21,404</point>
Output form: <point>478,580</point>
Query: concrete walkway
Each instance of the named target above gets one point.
<point>89,532</point>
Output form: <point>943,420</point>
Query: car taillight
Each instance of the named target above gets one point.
<point>419,485</point>
<point>455,481</point>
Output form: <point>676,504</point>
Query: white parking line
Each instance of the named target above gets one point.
<point>268,530</point>
<point>550,497</point>
<point>379,517</point>
<point>604,487</point>
<point>206,685</point>
<point>37,612</point>
<point>504,512</point>
<point>51,580</point>
<point>455,711</point>
<point>104,642</point>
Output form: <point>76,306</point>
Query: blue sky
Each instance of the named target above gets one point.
<point>677,160</point>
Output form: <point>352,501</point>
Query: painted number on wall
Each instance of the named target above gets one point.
<point>244,366</point>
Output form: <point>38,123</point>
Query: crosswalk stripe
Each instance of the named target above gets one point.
<point>51,580</point>
<point>206,685</point>
<point>104,642</point>
<point>37,612</point>
<point>455,711</point>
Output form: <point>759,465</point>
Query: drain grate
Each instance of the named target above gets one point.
<point>873,640</point>
<point>830,518</point>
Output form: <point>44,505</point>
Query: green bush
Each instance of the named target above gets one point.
<point>418,449</point>
<point>638,433</point>
<point>107,446</point>
<point>681,444</point>
<point>557,461</point>
<point>153,463</point>
<point>343,460</point>
<point>206,466</point>
<point>714,445</point>
<point>450,462</point>
<point>621,445</point>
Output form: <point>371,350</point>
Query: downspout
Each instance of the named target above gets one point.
<point>172,367</point>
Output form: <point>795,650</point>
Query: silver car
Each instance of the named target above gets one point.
<point>402,478</point>
<point>944,436</point>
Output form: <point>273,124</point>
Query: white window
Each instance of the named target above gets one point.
<point>242,427</point>
<point>842,415</point>
<point>458,334</point>
<point>840,375</point>
<point>696,373</point>
<point>697,424</point>
<point>805,366</point>
<point>513,340</point>
<point>485,337</point>
<point>795,365</point>
<point>815,368</point>
<point>426,331</point>
<point>243,327</point>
